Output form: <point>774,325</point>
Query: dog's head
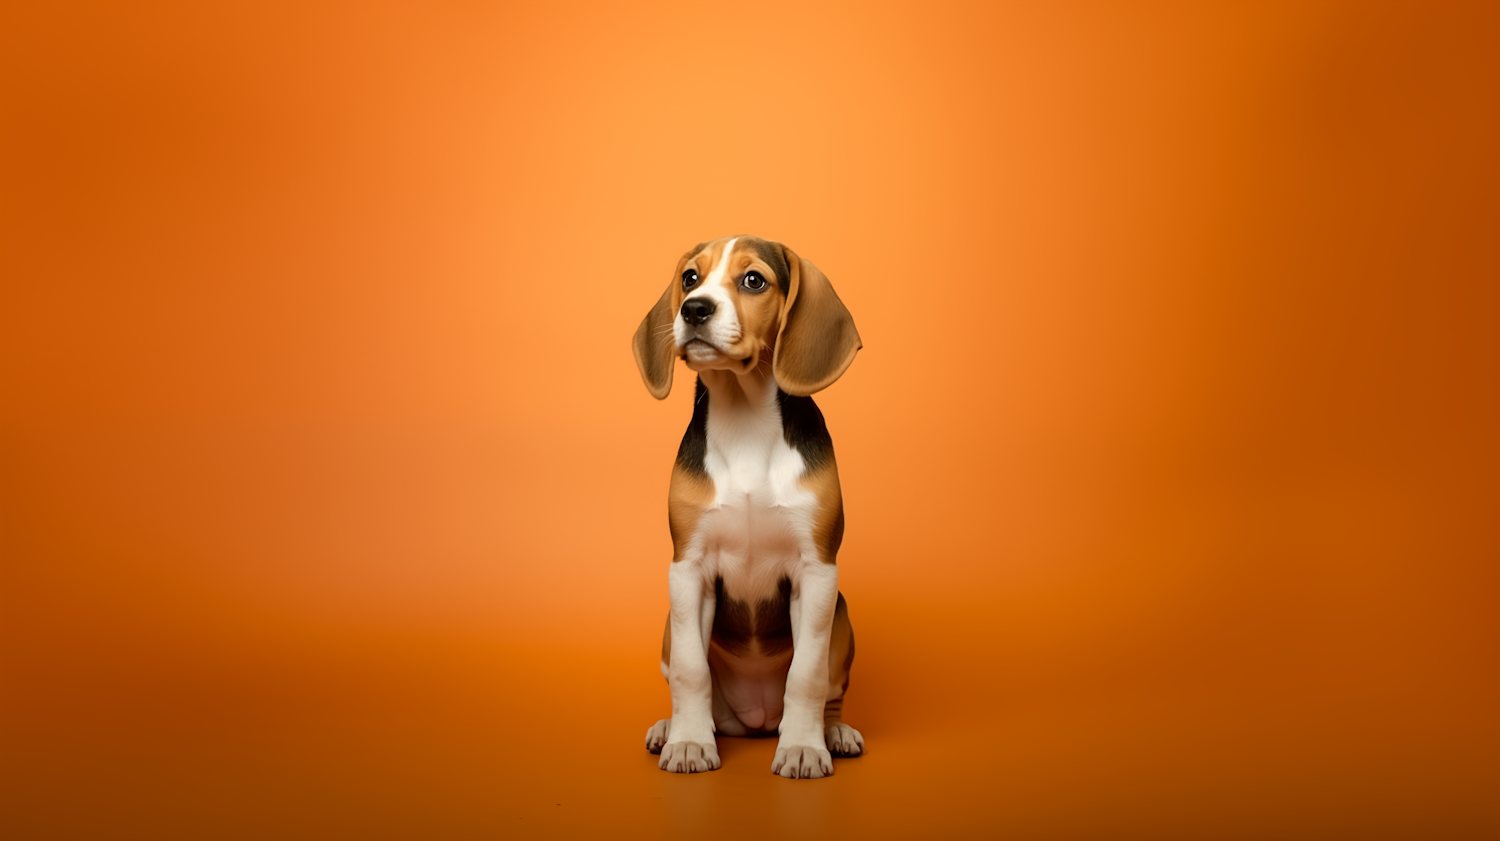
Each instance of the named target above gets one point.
<point>738,302</point>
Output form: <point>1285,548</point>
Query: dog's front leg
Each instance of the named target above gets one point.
<point>801,752</point>
<point>690,742</point>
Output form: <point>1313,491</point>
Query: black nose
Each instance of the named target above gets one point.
<point>697,310</point>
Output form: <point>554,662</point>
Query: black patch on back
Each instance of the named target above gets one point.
<point>805,431</point>
<point>773,257</point>
<point>766,624</point>
<point>694,446</point>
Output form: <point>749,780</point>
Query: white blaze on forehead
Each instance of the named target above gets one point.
<point>723,328</point>
<point>716,276</point>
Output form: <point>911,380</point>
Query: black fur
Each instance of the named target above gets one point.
<point>766,623</point>
<point>805,431</point>
<point>694,446</point>
<point>770,254</point>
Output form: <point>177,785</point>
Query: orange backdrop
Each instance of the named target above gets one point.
<point>333,504</point>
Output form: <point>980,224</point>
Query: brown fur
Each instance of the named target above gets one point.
<point>654,347</point>
<point>840,661</point>
<point>687,498</point>
<point>764,317</point>
<point>828,525</point>
<point>818,340</point>
<point>759,628</point>
<point>760,313</point>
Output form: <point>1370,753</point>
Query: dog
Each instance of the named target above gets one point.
<point>758,640</point>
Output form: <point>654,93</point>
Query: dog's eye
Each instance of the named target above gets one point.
<point>754,281</point>
<point>689,278</point>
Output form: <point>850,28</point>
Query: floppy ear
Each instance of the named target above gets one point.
<point>817,341</point>
<point>655,347</point>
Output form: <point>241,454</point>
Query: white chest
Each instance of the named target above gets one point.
<point>760,522</point>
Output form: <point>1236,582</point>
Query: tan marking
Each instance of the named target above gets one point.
<point>760,313</point>
<point>800,318</point>
<point>818,339</point>
<point>689,496</point>
<point>828,522</point>
<point>840,661</point>
<point>666,641</point>
<point>654,346</point>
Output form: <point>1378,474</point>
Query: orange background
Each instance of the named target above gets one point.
<point>333,504</point>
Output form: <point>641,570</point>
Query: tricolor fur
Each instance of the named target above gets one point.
<point>758,639</point>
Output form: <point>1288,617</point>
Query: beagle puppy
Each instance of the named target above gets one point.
<point>758,639</point>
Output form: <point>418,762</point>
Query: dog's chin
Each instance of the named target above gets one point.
<point>702,356</point>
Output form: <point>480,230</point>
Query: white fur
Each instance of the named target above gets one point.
<point>760,524</point>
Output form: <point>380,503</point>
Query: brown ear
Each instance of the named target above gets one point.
<point>817,341</point>
<point>654,346</point>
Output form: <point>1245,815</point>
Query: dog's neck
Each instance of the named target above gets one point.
<point>746,397</point>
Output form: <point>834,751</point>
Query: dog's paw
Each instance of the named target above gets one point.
<point>656,735</point>
<point>802,762</point>
<point>843,740</point>
<point>689,757</point>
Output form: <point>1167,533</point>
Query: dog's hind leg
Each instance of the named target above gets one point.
<point>656,734</point>
<point>842,740</point>
<point>724,721</point>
